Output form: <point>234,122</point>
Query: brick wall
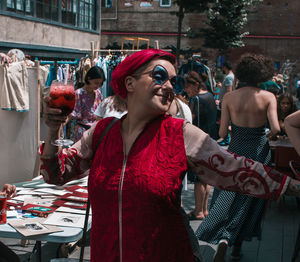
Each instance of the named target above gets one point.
<point>273,18</point>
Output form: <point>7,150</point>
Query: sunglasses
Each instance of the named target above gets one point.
<point>160,76</point>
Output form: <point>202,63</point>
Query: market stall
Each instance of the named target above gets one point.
<point>20,121</point>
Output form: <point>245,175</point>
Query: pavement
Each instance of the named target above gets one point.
<point>280,228</point>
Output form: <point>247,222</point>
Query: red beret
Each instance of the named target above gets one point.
<point>133,62</point>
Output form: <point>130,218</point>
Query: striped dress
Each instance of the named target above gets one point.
<point>233,216</point>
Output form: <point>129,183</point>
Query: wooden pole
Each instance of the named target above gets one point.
<point>36,170</point>
<point>93,52</point>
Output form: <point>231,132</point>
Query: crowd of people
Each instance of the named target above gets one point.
<point>167,128</point>
<point>137,170</point>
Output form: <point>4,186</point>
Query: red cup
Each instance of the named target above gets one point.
<point>3,209</point>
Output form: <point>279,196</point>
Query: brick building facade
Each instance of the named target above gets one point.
<point>272,26</point>
<point>65,28</point>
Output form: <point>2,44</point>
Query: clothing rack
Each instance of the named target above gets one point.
<point>125,50</point>
<point>59,62</point>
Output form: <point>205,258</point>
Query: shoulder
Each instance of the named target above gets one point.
<point>230,76</point>
<point>183,105</point>
<point>169,121</point>
<point>229,95</point>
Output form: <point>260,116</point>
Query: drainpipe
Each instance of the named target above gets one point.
<point>100,27</point>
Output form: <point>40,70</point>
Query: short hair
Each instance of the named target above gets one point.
<point>95,72</point>
<point>227,64</point>
<point>131,64</point>
<point>254,69</point>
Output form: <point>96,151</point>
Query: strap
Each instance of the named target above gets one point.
<point>198,110</point>
<point>87,213</point>
<point>109,126</point>
<point>83,240</point>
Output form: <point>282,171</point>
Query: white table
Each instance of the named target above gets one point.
<point>69,234</point>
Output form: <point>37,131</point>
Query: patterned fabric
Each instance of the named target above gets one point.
<point>84,110</point>
<point>106,109</point>
<point>142,207</point>
<point>233,216</point>
<point>146,200</point>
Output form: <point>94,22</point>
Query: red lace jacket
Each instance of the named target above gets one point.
<point>136,198</point>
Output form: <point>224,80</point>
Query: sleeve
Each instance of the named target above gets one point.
<point>227,171</point>
<point>70,163</point>
<point>100,110</point>
<point>76,114</point>
<point>228,81</point>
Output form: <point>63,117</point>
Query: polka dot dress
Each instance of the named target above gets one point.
<point>233,216</point>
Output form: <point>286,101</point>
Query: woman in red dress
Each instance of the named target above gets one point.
<point>136,172</point>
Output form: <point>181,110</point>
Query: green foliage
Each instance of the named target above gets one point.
<point>226,18</point>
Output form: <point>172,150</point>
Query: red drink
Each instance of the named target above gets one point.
<point>62,96</point>
<point>3,209</point>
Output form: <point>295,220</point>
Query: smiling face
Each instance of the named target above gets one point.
<point>149,95</point>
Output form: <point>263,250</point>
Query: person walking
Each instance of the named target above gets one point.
<point>227,86</point>
<point>234,217</point>
<point>136,171</point>
<point>204,112</point>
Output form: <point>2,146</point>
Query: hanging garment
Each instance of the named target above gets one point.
<point>14,87</point>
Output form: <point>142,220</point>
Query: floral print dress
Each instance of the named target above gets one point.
<point>84,110</point>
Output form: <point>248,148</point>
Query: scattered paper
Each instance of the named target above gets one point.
<point>77,189</point>
<point>32,226</point>
<point>79,205</point>
<point>65,219</point>
<point>52,191</point>
<point>72,210</point>
<point>78,197</point>
<point>10,214</point>
<point>39,201</point>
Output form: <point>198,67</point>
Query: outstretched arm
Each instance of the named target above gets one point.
<point>227,171</point>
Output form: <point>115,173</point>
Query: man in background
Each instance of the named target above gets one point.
<point>227,86</point>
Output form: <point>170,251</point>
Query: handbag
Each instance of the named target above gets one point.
<point>87,213</point>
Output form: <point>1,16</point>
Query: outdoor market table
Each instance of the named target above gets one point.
<point>69,234</point>
<point>282,153</point>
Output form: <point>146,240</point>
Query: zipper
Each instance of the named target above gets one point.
<point>120,191</point>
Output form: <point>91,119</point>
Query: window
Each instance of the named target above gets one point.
<point>20,6</point>
<point>106,3</point>
<point>47,9</point>
<point>77,13</point>
<point>87,14</point>
<point>165,3</point>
